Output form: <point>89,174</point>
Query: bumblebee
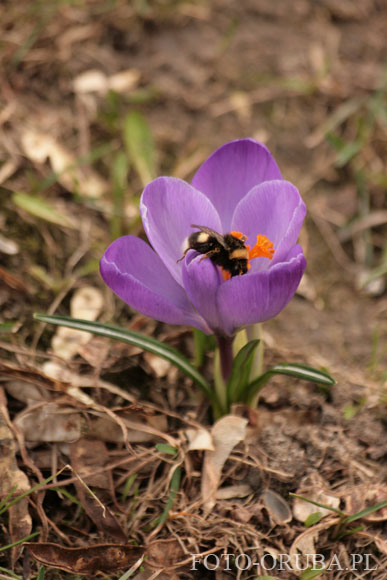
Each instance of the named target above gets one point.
<point>225,250</point>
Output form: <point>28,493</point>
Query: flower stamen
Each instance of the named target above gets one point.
<point>263,248</point>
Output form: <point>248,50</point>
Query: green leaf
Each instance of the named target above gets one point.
<point>311,573</point>
<point>41,208</point>
<point>139,145</point>
<point>174,488</point>
<point>296,370</point>
<point>367,511</point>
<point>137,339</point>
<point>316,503</point>
<point>312,519</point>
<point>40,575</point>
<point>240,371</point>
<point>119,174</point>
<point>165,448</point>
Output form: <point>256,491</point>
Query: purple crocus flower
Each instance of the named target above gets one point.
<point>239,188</point>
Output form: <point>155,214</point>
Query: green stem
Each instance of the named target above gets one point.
<point>222,371</point>
<point>255,331</point>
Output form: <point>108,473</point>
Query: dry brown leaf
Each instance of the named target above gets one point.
<point>86,303</point>
<point>26,392</point>
<point>88,456</point>
<point>40,146</point>
<point>237,490</point>
<point>304,544</point>
<point>199,440</point>
<point>13,480</point>
<point>50,423</point>
<point>164,553</point>
<point>315,489</point>
<point>226,433</point>
<point>364,496</point>
<point>88,560</point>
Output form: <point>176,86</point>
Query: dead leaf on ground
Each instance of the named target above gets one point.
<point>363,496</point>
<point>304,544</point>
<point>40,146</point>
<point>199,440</point>
<point>13,480</point>
<point>164,553</point>
<point>314,488</point>
<point>50,423</point>
<point>86,303</point>
<point>87,560</point>
<point>226,433</point>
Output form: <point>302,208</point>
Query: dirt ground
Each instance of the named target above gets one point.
<point>307,78</point>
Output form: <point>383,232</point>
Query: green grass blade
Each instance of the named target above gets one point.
<point>137,339</point>
<point>41,208</point>
<point>139,145</point>
<point>367,511</point>
<point>296,370</point>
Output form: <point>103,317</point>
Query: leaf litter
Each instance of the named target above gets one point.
<point>79,79</point>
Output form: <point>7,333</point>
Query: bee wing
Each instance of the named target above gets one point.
<point>218,237</point>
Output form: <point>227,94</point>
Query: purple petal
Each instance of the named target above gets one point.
<point>201,281</point>
<point>137,275</point>
<point>168,208</point>
<point>229,174</point>
<point>274,209</point>
<point>256,297</point>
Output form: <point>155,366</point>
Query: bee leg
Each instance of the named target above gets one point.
<point>210,254</point>
<point>183,256</point>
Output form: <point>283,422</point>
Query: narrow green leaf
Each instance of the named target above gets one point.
<point>367,511</point>
<point>174,488</point>
<point>311,573</point>
<point>120,168</point>
<point>26,539</point>
<point>296,370</point>
<point>10,573</point>
<point>165,448</point>
<point>240,372</point>
<point>139,145</point>
<point>137,339</point>
<point>312,519</point>
<point>9,326</point>
<point>321,505</point>
<point>40,575</point>
<point>41,208</point>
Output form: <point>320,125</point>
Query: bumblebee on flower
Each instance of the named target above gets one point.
<point>238,191</point>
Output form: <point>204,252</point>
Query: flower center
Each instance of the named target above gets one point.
<point>263,248</point>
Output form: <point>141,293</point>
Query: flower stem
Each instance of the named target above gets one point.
<point>222,370</point>
<point>255,332</point>
<point>226,355</point>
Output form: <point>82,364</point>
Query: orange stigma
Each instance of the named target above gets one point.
<point>263,248</point>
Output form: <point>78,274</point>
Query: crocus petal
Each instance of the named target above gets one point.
<point>274,209</point>
<point>168,208</point>
<point>229,174</point>
<point>201,281</point>
<point>256,297</point>
<point>137,275</point>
